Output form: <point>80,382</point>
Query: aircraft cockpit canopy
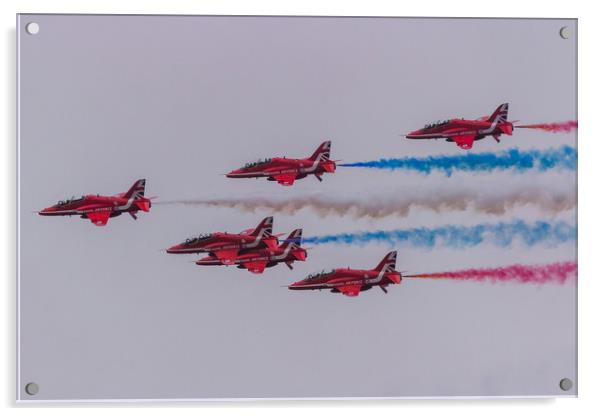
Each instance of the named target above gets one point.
<point>315,276</point>
<point>257,163</point>
<point>193,240</point>
<point>69,201</point>
<point>438,123</point>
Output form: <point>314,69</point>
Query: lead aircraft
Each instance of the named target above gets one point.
<point>99,208</point>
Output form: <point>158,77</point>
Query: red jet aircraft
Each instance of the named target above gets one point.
<point>226,246</point>
<point>256,260</point>
<point>465,132</point>
<point>286,171</point>
<point>351,282</point>
<point>99,209</point>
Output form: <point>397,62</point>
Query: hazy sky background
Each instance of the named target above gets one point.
<point>105,314</point>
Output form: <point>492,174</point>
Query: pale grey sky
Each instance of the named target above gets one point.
<point>105,100</point>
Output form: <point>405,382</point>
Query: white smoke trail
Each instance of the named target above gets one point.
<point>547,201</point>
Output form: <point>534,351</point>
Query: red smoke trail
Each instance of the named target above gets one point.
<point>565,127</point>
<point>549,273</point>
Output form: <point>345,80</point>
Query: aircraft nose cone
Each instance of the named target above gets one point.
<point>295,285</point>
<point>47,211</point>
<point>233,173</point>
<point>174,249</point>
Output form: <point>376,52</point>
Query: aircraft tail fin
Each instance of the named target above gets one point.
<point>500,114</point>
<point>388,262</point>
<point>294,239</point>
<point>137,190</point>
<point>322,153</point>
<point>293,245</point>
<point>264,228</point>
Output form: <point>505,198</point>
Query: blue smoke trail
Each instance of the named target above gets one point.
<point>564,157</point>
<point>457,236</point>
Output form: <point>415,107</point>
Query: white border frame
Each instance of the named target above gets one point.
<point>590,339</point>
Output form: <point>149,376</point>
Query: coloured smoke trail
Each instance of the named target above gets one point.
<point>565,127</point>
<point>501,234</point>
<point>549,273</point>
<point>564,157</point>
<point>399,204</point>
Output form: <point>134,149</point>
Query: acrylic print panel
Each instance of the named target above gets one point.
<point>430,162</point>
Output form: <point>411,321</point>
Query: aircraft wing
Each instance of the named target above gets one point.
<point>349,290</point>
<point>256,267</point>
<point>285,179</point>
<point>226,256</point>
<point>465,141</point>
<point>99,218</point>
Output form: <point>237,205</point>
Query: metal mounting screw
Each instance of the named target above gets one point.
<point>32,28</point>
<point>566,384</point>
<point>32,389</point>
<point>564,32</point>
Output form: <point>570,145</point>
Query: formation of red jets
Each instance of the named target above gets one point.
<point>257,249</point>
<point>253,249</point>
